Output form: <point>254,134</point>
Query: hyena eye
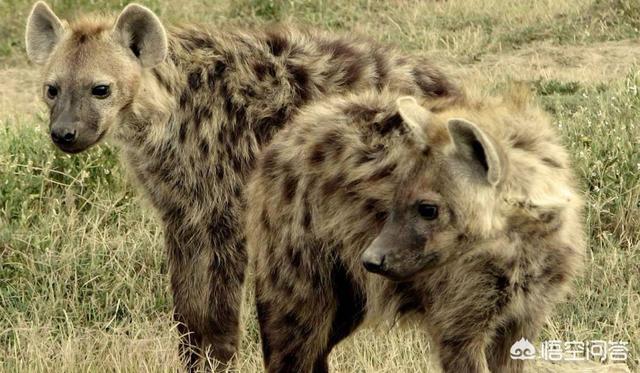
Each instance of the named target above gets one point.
<point>428,211</point>
<point>52,92</point>
<point>101,91</point>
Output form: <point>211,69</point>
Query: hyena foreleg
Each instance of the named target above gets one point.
<point>207,278</point>
<point>304,312</point>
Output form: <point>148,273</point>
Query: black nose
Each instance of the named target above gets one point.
<point>374,264</point>
<point>63,136</point>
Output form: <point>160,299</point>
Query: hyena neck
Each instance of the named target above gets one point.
<point>150,110</point>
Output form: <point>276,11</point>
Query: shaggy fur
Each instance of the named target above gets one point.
<point>349,170</point>
<point>191,125</point>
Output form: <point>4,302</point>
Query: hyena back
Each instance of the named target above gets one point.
<point>467,210</point>
<point>190,109</point>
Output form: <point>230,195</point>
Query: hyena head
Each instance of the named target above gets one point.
<point>91,69</point>
<point>452,196</point>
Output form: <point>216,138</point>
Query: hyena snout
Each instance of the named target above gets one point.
<point>64,136</point>
<point>74,136</point>
<point>394,260</point>
<point>373,260</point>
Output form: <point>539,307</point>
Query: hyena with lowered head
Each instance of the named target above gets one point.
<point>467,211</point>
<point>190,108</point>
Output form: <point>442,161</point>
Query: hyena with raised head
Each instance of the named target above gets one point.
<point>190,109</point>
<point>468,211</point>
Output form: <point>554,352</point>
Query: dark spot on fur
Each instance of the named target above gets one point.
<point>346,56</point>
<point>184,98</point>
<point>429,82</point>
<point>339,49</point>
<point>219,172</point>
<point>264,217</point>
<point>219,68</point>
<point>333,143</point>
<point>376,208</point>
<point>195,79</point>
<point>521,142</point>
<point>352,73</point>
<point>204,148</point>
<point>237,192</point>
<point>306,216</point>
<point>333,184</point>
<point>222,226</point>
<point>277,43</point>
<point>238,162</point>
<point>301,82</point>
<point>192,39</point>
<point>182,132</point>
<point>381,68</point>
<point>501,283</point>
<point>215,73</point>
<point>264,70</point>
<point>317,154</point>
<point>361,112</point>
<point>289,187</point>
<point>383,172</point>
<point>367,155</point>
<point>200,114</point>
<point>240,116</point>
<point>389,124</point>
<point>551,162</point>
<point>266,126</point>
<point>296,257</point>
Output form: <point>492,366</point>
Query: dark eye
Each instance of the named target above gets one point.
<point>52,92</point>
<point>101,91</point>
<point>428,211</point>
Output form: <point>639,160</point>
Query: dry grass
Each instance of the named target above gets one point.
<point>83,282</point>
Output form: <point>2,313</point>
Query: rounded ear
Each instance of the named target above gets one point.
<point>414,117</point>
<point>480,154</point>
<point>140,30</point>
<point>44,31</point>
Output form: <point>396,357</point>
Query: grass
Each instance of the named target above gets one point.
<point>83,277</point>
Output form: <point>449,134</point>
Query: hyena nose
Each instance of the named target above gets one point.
<point>373,263</point>
<point>63,136</point>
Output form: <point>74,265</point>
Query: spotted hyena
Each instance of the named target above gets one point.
<point>468,211</point>
<point>190,109</point>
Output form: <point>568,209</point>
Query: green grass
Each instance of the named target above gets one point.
<point>83,277</point>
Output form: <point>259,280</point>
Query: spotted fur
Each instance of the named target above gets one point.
<point>343,171</point>
<point>191,126</point>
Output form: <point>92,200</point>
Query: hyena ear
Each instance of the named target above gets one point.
<point>415,117</point>
<point>481,156</point>
<point>44,31</point>
<point>140,30</point>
